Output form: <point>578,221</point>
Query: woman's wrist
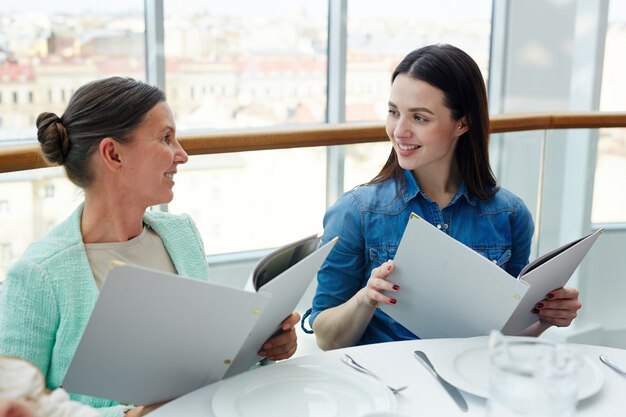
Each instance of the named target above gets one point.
<point>133,412</point>
<point>364,300</point>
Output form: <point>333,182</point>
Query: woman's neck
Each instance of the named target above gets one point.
<point>439,185</point>
<point>110,219</point>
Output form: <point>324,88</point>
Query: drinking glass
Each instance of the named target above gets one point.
<point>531,377</point>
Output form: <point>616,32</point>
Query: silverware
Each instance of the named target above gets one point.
<point>347,359</point>
<point>608,362</point>
<point>451,389</point>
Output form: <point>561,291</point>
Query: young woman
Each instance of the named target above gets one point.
<point>117,141</point>
<point>438,125</point>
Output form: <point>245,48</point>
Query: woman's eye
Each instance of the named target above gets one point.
<point>166,139</point>
<point>418,118</point>
<point>392,112</point>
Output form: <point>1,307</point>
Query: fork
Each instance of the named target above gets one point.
<point>605,359</point>
<point>347,359</point>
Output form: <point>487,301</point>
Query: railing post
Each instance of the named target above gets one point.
<point>155,51</point>
<point>154,41</point>
<point>336,93</point>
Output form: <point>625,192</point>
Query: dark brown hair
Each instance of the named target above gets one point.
<point>456,74</point>
<point>113,107</point>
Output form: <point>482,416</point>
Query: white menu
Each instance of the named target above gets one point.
<point>449,290</point>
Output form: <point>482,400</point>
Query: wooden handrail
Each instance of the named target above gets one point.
<point>28,157</point>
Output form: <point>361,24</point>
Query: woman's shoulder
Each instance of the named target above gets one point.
<point>165,217</point>
<point>169,225</point>
<point>503,200</point>
<point>372,196</point>
<point>64,236</point>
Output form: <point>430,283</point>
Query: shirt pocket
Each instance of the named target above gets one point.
<point>380,255</point>
<point>499,257</point>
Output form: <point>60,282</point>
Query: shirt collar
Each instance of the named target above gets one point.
<point>412,189</point>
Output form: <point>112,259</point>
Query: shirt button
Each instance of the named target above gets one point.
<point>445,226</point>
<point>495,261</point>
<point>439,226</point>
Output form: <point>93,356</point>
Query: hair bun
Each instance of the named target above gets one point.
<point>55,143</point>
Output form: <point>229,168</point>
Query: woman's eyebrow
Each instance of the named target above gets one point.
<point>413,109</point>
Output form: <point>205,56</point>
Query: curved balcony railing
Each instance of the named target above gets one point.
<point>28,157</point>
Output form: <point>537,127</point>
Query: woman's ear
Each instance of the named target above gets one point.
<point>462,126</point>
<point>108,150</point>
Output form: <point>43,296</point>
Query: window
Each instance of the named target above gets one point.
<point>49,191</point>
<point>609,203</point>
<point>250,51</point>
<point>6,253</point>
<point>50,48</point>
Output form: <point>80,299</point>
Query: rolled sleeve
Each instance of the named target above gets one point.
<point>341,275</point>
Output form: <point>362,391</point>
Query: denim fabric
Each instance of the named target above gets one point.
<point>371,219</point>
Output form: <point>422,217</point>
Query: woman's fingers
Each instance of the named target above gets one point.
<point>283,345</point>
<point>377,284</point>
<point>559,307</point>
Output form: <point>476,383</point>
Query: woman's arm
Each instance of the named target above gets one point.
<point>28,315</point>
<point>343,325</point>
<point>522,229</point>
<point>337,302</point>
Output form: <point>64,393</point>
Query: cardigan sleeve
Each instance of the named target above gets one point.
<point>29,315</point>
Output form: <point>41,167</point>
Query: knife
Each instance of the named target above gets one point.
<point>451,389</point>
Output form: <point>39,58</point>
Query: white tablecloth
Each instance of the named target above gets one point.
<point>395,364</point>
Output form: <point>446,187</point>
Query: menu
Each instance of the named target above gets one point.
<point>449,290</point>
<point>154,336</point>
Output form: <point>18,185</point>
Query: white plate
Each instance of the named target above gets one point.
<point>301,391</point>
<point>466,366</point>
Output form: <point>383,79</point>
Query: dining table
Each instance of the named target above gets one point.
<point>396,365</point>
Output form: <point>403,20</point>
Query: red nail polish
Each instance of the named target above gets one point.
<point>539,305</point>
<point>550,296</point>
<point>388,267</point>
<point>396,287</point>
<point>393,301</point>
<point>534,310</point>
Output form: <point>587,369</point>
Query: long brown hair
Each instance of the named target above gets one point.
<point>456,74</point>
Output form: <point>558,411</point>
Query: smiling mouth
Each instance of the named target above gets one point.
<point>169,175</point>
<point>408,147</point>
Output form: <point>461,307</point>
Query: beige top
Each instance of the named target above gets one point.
<point>145,250</point>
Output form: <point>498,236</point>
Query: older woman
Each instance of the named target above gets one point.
<point>117,141</point>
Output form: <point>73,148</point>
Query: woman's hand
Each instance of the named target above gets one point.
<point>283,345</point>
<point>559,307</point>
<point>142,411</point>
<point>372,293</point>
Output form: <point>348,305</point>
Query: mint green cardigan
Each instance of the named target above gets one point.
<point>49,293</point>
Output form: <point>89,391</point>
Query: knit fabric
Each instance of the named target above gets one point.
<point>50,291</point>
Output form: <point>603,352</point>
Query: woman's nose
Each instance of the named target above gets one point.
<point>401,128</point>
<point>181,156</point>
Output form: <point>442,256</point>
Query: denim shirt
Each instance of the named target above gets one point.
<point>371,219</point>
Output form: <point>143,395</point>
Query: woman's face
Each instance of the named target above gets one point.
<point>152,158</point>
<point>421,127</point>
